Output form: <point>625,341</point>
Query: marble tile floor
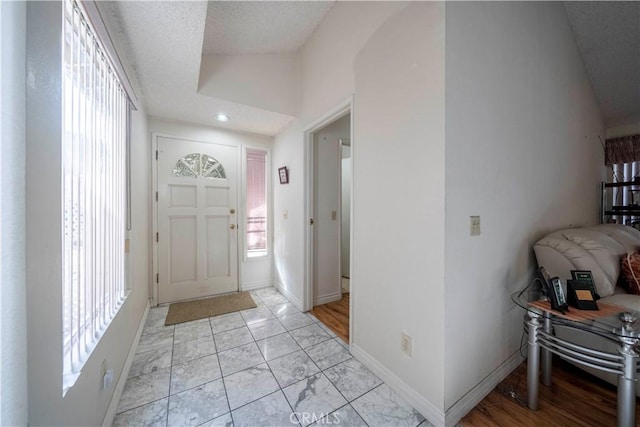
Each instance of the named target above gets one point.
<point>267,366</point>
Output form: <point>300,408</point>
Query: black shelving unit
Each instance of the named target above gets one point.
<point>628,214</point>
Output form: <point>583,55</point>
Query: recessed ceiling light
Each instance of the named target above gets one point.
<point>222,117</point>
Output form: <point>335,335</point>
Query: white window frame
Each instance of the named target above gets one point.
<point>95,180</point>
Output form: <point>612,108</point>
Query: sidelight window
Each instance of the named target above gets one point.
<point>256,236</point>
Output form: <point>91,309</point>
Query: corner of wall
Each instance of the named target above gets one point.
<point>117,394</point>
<point>474,396</point>
<point>284,291</point>
<point>623,130</point>
<point>435,415</point>
<point>400,97</point>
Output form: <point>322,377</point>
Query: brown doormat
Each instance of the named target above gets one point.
<point>181,312</point>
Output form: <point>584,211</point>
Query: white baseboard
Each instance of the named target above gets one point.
<point>327,299</point>
<point>413,398</point>
<point>288,295</point>
<point>255,285</point>
<point>474,396</point>
<point>117,394</point>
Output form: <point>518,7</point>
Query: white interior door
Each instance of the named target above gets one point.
<point>326,224</point>
<point>197,219</point>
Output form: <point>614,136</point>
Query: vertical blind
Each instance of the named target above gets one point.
<point>95,121</point>
<point>256,203</point>
<point>623,172</point>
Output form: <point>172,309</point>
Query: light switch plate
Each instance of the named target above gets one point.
<point>406,344</point>
<point>475,225</point>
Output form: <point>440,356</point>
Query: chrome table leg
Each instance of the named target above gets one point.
<point>627,380</point>
<point>546,355</point>
<point>533,361</point>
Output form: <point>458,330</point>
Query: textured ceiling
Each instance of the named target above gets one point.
<point>163,43</point>
<point>608,37</point>
<point>244,27</point>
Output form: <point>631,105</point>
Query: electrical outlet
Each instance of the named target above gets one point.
<point>285,214</point>
<point>106,375</point>
<point>405,344</point>
<point>475,225</point>
<point>107,380</point>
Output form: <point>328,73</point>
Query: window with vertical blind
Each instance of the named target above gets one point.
<point>622,154</point>
<point>95,111</point>
<point>256,237</point>
<point>624,172</point>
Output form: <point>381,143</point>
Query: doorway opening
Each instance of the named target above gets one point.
<point>328,291</point>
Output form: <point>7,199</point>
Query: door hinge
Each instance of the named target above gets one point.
<point>156,196</point>
<point>158,278</point>
<point>311,221</point>
<point>157,237</point>
<point>156,154</point>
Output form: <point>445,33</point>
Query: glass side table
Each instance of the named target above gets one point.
<point>612,322</point>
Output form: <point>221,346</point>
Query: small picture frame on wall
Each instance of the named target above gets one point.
<point>283,172</point>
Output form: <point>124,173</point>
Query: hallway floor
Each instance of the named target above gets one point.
<point>268,366</point>
<point>335,316</point>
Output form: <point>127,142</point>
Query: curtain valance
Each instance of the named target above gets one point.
<point>625,149</point>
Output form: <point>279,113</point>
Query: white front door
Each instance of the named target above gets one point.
<point>197,219</point>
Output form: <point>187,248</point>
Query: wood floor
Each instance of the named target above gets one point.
<point>335,315</point>
<point>575,398</point>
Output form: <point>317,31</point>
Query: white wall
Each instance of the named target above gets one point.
<point>402,277</point>
<point>522,152</point>
<point>626,130</point>
<point>327,155</point>
<point>140,234</point>
<point>327,80</point>
<point>13,318</point>
<point>267,81</point>
<point>85,403</point>
<point>398,200</point>
<point>254,272</point>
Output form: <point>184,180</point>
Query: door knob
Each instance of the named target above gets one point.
<point>232,211</point>
<point>232,226</point>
